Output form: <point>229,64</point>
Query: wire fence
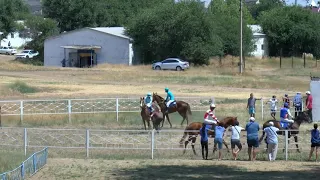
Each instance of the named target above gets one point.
<point>116,106</point>
<point>143,143</point>
<point>28,167</point>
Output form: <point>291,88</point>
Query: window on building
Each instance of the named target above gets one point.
<point>262,46</point>
<point>12,35</point>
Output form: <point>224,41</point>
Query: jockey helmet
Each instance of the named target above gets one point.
<point>273,96</point>
<point>252,119</point>
<point>308,92</point>
<point>212,105</point>
<point>149,94</point>
<point>286,105</point>
<point>285,95</point>
<point>271,123</point>
<point>166,89</point>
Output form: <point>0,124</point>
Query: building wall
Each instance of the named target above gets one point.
<point>15,40</point>
<point>261,47</point>
<point>114,50</point>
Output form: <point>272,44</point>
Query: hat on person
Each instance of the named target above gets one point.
<point>252,119</point>
<point>308,92</point>
<point>271,123</point>
<point>212,105</point>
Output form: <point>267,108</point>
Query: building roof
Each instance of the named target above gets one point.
<point>256,30</point>
<point>116,31</point>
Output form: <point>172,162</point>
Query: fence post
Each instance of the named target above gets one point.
<point>304,60</point>
<point>87,142</point>
<point>22,170</point>
<point>21,111</point>
<point>286,144</point>
<point>262,106</point>
<point>292,61</point>
<point>34,158</point>
<point>25,141</point>
<point>152,142</point>
<point>69,110</point>
<point>117,108</point>
<point>0,117</point>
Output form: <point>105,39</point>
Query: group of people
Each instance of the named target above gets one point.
<point>252,128</point>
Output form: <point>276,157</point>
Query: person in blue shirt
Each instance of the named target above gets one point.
<point>252,129</point>
<point>218,139</point>
<point>204,140</point>
<point>169,99</point>
<point>148,102</point>
<point>285,114</point>
<point>297,103</point>
<point>315,141</point>
<point>272,140</point>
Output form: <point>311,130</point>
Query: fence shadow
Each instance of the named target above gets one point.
<point>215,172</point>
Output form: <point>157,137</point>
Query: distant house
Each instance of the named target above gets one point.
<point>260,42</point>
<point>15,39</point>
<point>88,47</point>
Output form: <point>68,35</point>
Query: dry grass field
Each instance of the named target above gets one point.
<point>57,169</point>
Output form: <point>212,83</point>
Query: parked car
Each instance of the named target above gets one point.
<point>171,64</point>
<point>8,50</point>
<point>27,53</point>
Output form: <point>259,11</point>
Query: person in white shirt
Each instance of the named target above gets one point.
<point>272,140</point>
<point>235,139</point>
<point>273,106</point>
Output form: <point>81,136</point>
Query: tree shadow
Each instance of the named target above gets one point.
<point>214,172</point>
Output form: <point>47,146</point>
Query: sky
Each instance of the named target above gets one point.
<point>301,2</point>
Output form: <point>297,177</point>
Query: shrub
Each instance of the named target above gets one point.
<point>22,87</point>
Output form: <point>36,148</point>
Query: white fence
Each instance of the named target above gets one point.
<point>109,105</point>
<point>87,140</point>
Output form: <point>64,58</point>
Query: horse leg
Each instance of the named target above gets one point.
<point>167,115</point>
<point>194,138</point>
<point>297,145</point>
<point>144,123</point>
<point>186,144</point>
<point>164,118</point>
<point>184,116</point>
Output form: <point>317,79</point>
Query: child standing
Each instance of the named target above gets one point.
<point>204,140</point>
<point>315,141</point>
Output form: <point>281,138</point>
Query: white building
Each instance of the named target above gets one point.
<point>260,42</point>
<point>88,47</point>
<point>14,39</point>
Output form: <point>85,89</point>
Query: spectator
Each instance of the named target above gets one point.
<point>251,105</point>
<point>315,141</point>
<point>219,133</point>
<point>273,106</point>
<point>297,103</point>
<point>204,140</point>
<point>272,140</point>
<point>309,104</point>
<point>286,99</point>
<point>252,129</point>
<point>235,139</point>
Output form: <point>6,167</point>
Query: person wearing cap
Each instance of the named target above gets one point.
<point>148,102</point>
<point>272,140</point>
<point>273,106</point>
<point>285,114</point>
<point>169,99</point>
<point>252,129</point>
<point>309,104</point>
<point>297,103</point>
<point>209,117</point>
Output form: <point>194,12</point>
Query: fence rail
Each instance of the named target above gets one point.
<point>91,139</point>
<point>28,167</point>
<point>103,105</point>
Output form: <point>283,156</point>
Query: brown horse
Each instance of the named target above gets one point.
<point>183,108</point>
<point>145,114</point>
<point>302,117</point>
<point>195,128</point>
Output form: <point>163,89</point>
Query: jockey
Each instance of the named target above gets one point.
<point>284,113</point>
<point>209,117</point>
<point>148,102</point>
<point>169,99</point>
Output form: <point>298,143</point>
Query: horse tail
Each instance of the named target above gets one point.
<point>185,134</point>
<point>189,109</point>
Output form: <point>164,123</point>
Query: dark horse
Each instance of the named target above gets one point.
<point>302,117</point>
<point>145,115</point>
<point>182,107</point>
<point>195,128</point>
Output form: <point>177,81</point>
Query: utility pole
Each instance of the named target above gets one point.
<point>241,56</point>
<point>296,2</point>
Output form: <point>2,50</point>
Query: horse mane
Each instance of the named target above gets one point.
<point>161,98</point>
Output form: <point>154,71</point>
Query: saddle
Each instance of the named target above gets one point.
<point>285,125</point>
<point>174,103</point>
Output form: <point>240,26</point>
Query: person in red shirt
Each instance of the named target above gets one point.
<point>209,117</point>
<point>309,104</point>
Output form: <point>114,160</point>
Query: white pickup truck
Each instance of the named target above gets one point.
<point>7,50</point>
<point>27,53</point>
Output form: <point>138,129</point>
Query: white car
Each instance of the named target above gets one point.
<point>27,53</point>
<point>8,50</point>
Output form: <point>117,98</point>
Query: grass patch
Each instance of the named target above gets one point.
<point>22,87</point>
<point>10,160</point>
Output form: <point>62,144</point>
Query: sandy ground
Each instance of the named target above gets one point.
<point>175,169</point>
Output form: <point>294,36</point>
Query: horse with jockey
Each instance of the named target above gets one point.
<point>148,102</point>
<point>170,101</point>
<point>286,117</point>
<point>210,118</point>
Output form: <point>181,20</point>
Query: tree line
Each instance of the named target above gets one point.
<point>166,28</point>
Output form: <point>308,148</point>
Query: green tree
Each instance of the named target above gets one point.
<point>227,17</point>
<point>293,29</point>
<point>183,29</point>
<point>264,5</point>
